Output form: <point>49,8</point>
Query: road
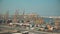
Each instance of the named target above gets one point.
<point>9,29</point>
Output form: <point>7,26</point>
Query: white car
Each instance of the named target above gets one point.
<point>25,32</point>
<point>15,23</point>
<point>16,33</point>
<point>32,28</point>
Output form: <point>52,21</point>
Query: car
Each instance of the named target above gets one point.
<point>32,28</point>
<point>15,23</point>
<point>16,33</point>
<point>25,32</point>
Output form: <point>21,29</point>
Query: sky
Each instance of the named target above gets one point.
<point>41,7</point>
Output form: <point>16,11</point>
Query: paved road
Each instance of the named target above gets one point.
<point>39,32</point>
<point>23,29</point>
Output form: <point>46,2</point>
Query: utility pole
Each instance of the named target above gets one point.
<point>23,15</point>
<point>6,16</point>
<point>0,16</point>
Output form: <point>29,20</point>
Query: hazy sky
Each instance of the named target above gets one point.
<point>41,7</point>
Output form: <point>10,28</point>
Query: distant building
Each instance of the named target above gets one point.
<point>57,23</point>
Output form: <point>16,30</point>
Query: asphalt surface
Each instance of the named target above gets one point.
<point>8,29</point>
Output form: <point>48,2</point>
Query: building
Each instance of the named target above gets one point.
<point>57,23</point>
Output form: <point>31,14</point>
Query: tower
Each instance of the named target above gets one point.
<point>15,17</point>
